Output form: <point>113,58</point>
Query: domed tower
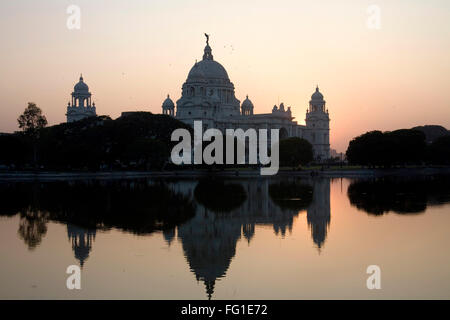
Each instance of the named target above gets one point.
<point>208,94</point>
<point>318,213</point>
<point>247,107</point>
<point>318,126</point>
<point>82,240</point>
<point>168,107</point>
<point>81,105</point>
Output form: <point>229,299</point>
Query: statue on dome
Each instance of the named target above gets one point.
<point>207,39</point>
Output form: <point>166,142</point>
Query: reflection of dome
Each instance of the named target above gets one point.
<point>209,245</point>
<point>81,86</point>
<point>317,95</point>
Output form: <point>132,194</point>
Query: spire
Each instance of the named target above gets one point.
<point>209,284</point>
<point>207,52</point>
<point>81,77</point>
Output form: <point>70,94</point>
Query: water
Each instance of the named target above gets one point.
<point>255,238</point>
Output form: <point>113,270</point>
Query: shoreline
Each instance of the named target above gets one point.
<point>117,175</point>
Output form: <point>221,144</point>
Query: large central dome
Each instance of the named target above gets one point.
<point>208,69</point>
<point>207,93</point>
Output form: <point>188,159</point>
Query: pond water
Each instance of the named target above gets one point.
<point>241,238</point>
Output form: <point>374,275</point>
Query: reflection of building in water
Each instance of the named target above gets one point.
<point>318,213</point>
<point>169,235</point>
<point>209,239</point>
<point>209,244</point>
<point>248,231</point>
<point>82,240</point>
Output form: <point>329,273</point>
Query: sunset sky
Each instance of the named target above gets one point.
<point>132,53</point>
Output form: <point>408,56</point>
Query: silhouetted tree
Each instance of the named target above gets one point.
<point>398,147</point>
<point>141,140</point>
<point>14,149</point>
<point>439,151</point>
<point>32,119</point>
<point>31,122</point>
<point>295,151</point>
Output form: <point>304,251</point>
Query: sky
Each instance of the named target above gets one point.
<point>133,53</point>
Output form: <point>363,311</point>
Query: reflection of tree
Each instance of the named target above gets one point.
<point>218,196</point>
<point>138,206</point>
<point>208,236</point>
<point>291,195</point>
<point>400,195</point>
<point>32,227</point>
<point>14,198</point>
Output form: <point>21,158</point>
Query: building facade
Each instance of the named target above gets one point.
<point>81,105</point>
<point>208,95</point>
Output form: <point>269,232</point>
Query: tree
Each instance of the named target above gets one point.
<point>439,151</point>
<point>378,148</point>
<point>31,122</point>
<point>15,149</point>
<point>32,119</point>
<point>295,151</point>
<point>368,149</point>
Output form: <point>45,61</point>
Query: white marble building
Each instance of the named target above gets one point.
<point>81,105</point>
<point>208,95</point>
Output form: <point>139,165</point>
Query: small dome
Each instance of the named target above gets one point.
<point>81,86</point>
<point>317,95</point>
<point>168,103</point>
<point>247,103</point>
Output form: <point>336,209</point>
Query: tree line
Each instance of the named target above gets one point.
<point>138,141</point>
<point>398,148</point>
